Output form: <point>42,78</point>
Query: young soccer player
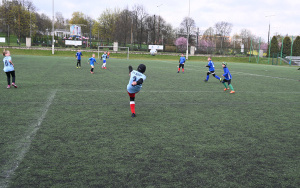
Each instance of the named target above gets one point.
<point>136,80</point>
<point>103,57</point>
<point>227,78</point>
<point>9,69</point>
<point>211,70</point>
<point>92,63</point>
<point>78,57</point>
<point>181,63</point>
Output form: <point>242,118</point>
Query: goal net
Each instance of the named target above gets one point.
<point>124,50</point>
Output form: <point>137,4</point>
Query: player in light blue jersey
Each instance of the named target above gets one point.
<point>9,69</point>
<point>78,57</point>
<point>227,78</point>
<point>211,70</point>
<point>92,63</point>
<point>136,80</point>
<point>104,57</point>
<point>181,63</point>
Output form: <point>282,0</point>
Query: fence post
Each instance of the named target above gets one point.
<point>291,51</point>
<point>250,50</point>
<point>281,50</point>
<point>258,50</point>
<point>269,51</point>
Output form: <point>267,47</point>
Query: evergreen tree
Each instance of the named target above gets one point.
<point>296,47</point>
<point>287,44</point>
<point>274,46</point>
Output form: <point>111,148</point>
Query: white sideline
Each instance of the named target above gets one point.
<point>23,145</point>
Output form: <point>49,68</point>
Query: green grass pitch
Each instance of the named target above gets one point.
<point>64,127</point>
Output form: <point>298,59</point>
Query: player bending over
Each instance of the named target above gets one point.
<point>135,84</point>
<point>181,63</point>
<point>227,78</point>
<point>103,57</point>
<point>78,57</point>
<point>211,70</point>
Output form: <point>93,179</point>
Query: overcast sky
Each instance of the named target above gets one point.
<point>255,15</point>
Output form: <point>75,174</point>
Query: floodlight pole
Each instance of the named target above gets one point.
<point>188,32</point>
<point>53,28</point>
<point>269,28</point>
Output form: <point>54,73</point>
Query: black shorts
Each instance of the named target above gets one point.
<point>229,81</point>
<point>211,72</point>
<point>78,60</point>
<point>181,65</point>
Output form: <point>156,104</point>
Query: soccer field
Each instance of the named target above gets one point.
<point>65,127</point>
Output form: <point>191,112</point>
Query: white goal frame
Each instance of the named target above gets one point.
<point>113,47</point>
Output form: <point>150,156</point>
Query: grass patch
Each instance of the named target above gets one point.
<point>187,133</point>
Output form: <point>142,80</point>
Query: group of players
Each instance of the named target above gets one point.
<point>137,77</point>
<point>92,60</point>
<point>211,70</point>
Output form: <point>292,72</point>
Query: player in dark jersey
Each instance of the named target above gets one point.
<point>181,63</point>
<point>78,57</point>
<point>211,70</point>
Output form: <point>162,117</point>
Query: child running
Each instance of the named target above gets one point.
<point>136,80</point>
<point>9,69</point>
<point>78,57</point>
<point>181,63</point>
<point>92,63</point>
<point>103,57</point>
<point>211,70</point>
<point>227,78</point>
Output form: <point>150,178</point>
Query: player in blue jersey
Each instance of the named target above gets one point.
<point>92,63</point>
<point>78,57</point>
<point>104,57</point>
<point>211,70</point>
<point>9,69</point>
<point>227,78</point>
<point>181,63</point>
<point>136,80</point>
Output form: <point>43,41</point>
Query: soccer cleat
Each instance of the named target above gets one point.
<point>183,72</point>
<point>133,115</point>
<point>226,89</point>
<point>104,67</point>
<point>232,91</point>
<point>205,80</point>
<point>220,79</point>
<point>13,84</point>
<point>177,71</point>
<point>77,67</point>
<point>8,86</point>
<point>92,72</point>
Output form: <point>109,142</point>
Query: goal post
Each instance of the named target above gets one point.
<point>103,48</point>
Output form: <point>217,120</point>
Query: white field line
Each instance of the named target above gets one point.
<point>23,145</point>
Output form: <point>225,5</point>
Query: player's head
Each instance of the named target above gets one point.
<point>141,68</point>
<point>6,53</point>
<point>182,55</point>
<point>224,64</point>
<point>93,55</point>
<point>104,52</point>
<point>79,50</point>
<point>209,59</point>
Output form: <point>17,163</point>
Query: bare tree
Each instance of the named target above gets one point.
<point>186,26</point>
<point>141,15</point>
<point>223,30</point>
